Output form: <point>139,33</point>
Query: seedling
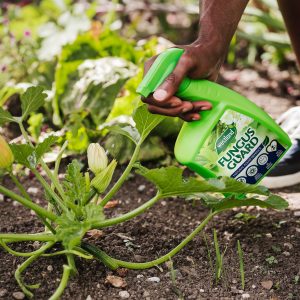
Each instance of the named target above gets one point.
<point>75,204</point>
<point>241,260</point>
<point>271,260</point>
<point>219,258</point>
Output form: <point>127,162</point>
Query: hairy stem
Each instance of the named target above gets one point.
<point>29,204</point>
<point>63,283</point>
<point>101,255</point>
<point>139,210</point>
<point>123,177</point>
<point>23,237</point>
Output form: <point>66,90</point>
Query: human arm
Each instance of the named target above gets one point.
<point>202,59</point>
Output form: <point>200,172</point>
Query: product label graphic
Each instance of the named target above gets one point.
<point>241,148</point>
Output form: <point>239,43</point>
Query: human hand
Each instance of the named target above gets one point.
<point>197,62</point>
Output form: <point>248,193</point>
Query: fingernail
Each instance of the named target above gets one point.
<point>195,118</point>
<point>160,95</point>
<point>205,107</point>
<point>185,109</point>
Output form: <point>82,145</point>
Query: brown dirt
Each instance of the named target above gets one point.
<point>155,233</point>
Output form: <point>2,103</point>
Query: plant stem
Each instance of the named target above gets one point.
<point>21,254</point>
<point>130,265</point>
<point>39,210</point>
<point>129,215</point>
<point>53,179</point>
<point>123,177</point>
<point>22,237</point>
<point>43,164</point>
<point>19,186</point>
<point>63,283</point>
<point>49,190</point>
<point>26,264</point>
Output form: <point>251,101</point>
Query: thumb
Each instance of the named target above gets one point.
<point>170,86</point>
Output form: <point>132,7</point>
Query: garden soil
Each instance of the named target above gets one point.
<point>270,240</point>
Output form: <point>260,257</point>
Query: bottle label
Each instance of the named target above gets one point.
<point>241,148</point>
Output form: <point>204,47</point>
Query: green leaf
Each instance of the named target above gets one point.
<point>93,213</point>
<point>145,121</point>
<point>273,202</point>
<point>170,182</point>
<point>45,146</point>
<point>74,183</point>
<point>127,130</point>
<point>5,117</point>
<point>70,231</point>
<point>32,100</point>
<point>24,155</point>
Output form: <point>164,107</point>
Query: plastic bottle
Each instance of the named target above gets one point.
<point>235,138</point>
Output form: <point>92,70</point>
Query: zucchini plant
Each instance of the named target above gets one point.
<point>75,203</point>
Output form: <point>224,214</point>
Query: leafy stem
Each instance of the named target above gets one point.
<point>63,283</point>
<point>123,177</point>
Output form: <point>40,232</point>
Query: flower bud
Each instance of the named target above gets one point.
<point>103,179</point>
<point>6,156</point>
<point>97,158</point>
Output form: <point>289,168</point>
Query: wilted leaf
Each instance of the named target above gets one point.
<point>115,281</point>
<point>111,204</point>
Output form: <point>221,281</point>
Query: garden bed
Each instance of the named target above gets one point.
<point>156,232</point>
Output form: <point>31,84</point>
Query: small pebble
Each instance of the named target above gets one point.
<point>234,281</point>
<point>153,279</point>
<point>286,253</point>
<point>297,213</point>
<point>245,296</point>
<point>50,268</point>
<point>18,295</point>
<point>253,286</point>
<point>146,294</point>
<point>1,197</point>
<point>288,245</point>
<point>141,188</point>
<point>98,286</point>
<point>201,290</point>
<point>298,230</point>
<point>32,190</point>
<point>268,235</point>
<point>124,294</point>
<point>3,292</point>
<point>89,297</point>
<point>139,276</point>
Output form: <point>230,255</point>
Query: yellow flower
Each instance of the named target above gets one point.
<point>97,158</point>
<point>6,156</point>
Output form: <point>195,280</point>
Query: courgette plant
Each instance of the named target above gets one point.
<point>75,204</point>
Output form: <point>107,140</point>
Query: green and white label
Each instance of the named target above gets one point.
<point>240,147</point>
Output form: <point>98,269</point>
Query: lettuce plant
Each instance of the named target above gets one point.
<point>75,204</point>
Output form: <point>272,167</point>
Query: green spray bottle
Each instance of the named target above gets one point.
<point>235,138</point>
